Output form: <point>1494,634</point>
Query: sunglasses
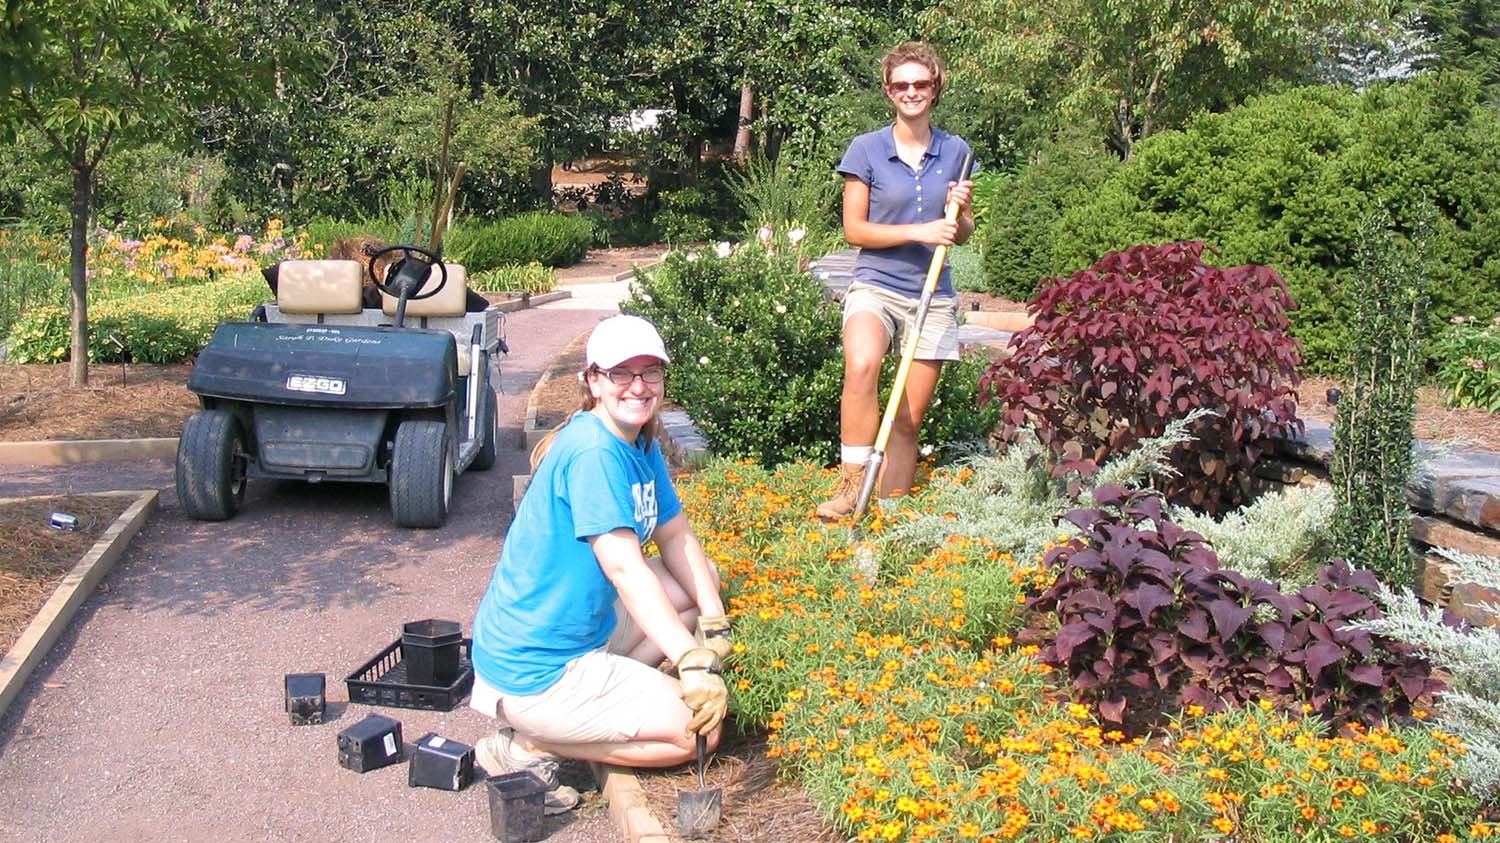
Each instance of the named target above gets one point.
<point>624,377</point>
<point>921,86</point>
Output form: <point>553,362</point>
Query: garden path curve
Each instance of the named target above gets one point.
<point>158,714</point>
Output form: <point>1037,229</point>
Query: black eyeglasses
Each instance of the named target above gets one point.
<point>921,86</point>
<point>624,377</point>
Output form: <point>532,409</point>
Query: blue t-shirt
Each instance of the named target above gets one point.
<point>549,601</point>
<point>901,196</point>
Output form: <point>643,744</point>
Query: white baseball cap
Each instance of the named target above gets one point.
<point>620,338</point>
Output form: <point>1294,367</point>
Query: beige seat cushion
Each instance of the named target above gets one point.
<point>448,302</point>
<point>310,287</point>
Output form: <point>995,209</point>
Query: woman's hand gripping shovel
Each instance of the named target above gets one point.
<point>908,354</point>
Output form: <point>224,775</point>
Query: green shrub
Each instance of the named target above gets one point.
<point>688,216</point>
<point>1372,428</point>
<point>545,238</point>
<point>967,267</point>
<point>1286,179</point>
<point>165,326</point>
<point>1468,362</point>
<point>618,229</point>
<point>1020,213</point>
<point>757,358</point>
<point>517,277</point>
<point>323,233</point>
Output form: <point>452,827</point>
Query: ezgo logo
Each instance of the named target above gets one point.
<point>316,383</point>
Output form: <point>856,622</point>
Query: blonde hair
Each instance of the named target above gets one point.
<point>587,403</point>
<point>916,52</point>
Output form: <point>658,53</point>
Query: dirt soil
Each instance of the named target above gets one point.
<point>757,806</point>
<point>34,556</point>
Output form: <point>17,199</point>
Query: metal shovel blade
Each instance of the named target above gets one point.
<point>698,810</point>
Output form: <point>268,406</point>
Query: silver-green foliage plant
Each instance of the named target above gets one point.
<point>1372,433</point>
<point>1011,499</point>
<point>1281,538</point>
<point>1470,709</point>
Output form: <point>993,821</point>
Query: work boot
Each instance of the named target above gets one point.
<point>845,494</point>
<point>500,753</point>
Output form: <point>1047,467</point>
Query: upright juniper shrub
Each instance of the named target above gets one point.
<point>1372,434</point>
<point>1145,336</point>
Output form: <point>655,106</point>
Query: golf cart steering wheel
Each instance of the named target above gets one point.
<point>392,287</point>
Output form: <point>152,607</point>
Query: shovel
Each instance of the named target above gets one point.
<point>698,810</point>
<point>908,354</point>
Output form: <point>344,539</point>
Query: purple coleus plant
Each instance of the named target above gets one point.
<point>1145,615</point>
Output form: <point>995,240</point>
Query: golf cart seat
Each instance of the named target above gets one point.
<point>316,289</point>
<point>330,292</point>
<point>448,301</point>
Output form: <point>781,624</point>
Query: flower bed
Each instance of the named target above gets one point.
<point>909,711</point>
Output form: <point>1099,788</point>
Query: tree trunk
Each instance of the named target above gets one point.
<point>747,116</point>
<point>78,282</point>
<point>541,179</point>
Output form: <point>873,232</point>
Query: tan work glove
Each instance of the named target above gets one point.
<point>713,633</point>
<point>702,689</point>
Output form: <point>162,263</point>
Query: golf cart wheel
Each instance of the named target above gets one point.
<point>485,459</point>
<point>211,466</point>
<point>421,476</point>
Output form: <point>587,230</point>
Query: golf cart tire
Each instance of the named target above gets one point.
<point>211,466</point>
<point>485,459</point>
<point>421,476</point>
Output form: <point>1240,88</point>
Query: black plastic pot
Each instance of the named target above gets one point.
<point>516,807</point>
<point>430,650</point>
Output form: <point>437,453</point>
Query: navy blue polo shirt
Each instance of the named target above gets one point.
<point>901,196</point>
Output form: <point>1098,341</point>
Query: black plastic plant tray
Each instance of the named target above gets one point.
<point>382,681</point>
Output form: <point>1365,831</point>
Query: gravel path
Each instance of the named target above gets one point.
<point>158,715</point>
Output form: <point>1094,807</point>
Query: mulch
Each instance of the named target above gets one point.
<point>1464,427</point>
<point>120,402</point>
<point>758,806</point>
<point>560,395</point>
<point>34,556</point>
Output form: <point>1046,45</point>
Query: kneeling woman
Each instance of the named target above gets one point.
<point>575,621</point>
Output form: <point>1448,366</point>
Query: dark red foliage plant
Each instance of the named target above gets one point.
<point>1146,336</point>
<point>1143,621</point>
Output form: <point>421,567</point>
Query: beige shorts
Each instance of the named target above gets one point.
<point>600,698</point>
<point>939,337</point>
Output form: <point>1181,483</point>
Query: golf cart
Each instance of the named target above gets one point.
<point>318,387</point>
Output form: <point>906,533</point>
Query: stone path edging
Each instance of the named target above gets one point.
<point>48,625</point>
<point>628,805</point>
<point>76,451</point>
<point>513,305</point>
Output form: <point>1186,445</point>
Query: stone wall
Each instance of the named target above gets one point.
<point>1455,501</point>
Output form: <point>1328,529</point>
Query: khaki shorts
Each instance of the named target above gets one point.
<point>600,697</point>
<point>939,337</point>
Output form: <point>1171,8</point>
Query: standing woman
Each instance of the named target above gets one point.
<point>575,621</point>
<point>896,183</point>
